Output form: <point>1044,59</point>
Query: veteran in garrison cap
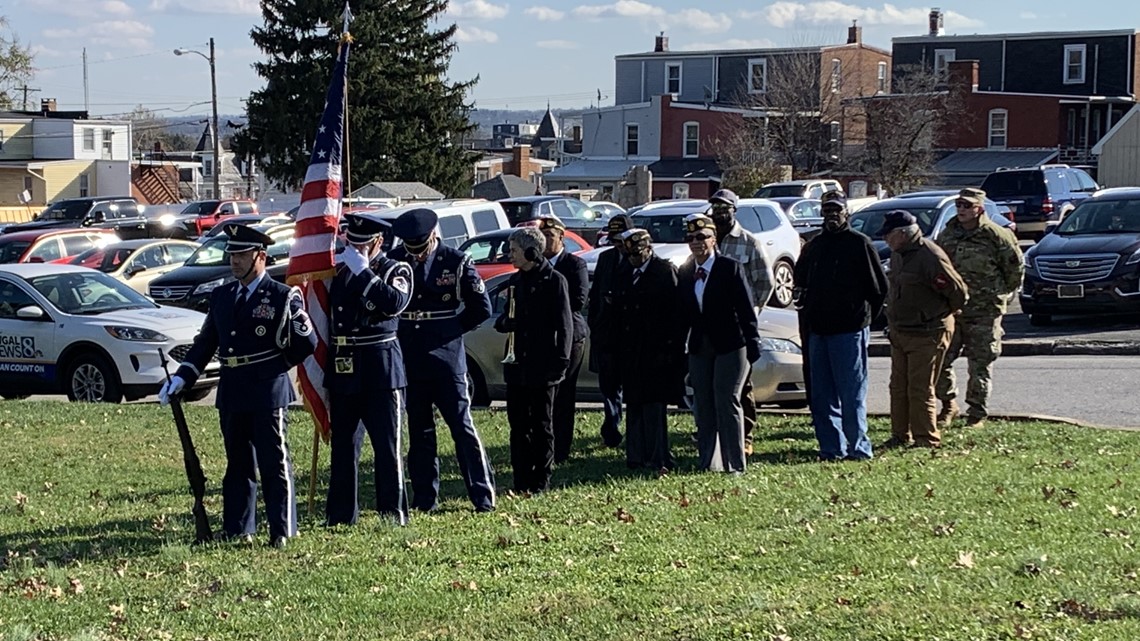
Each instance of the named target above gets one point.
<point>924,294</point>
<point>599,318</point>
<point>449,300</point>
<point>259,329</point>
<point>366,379</point>
<point>648,348</point>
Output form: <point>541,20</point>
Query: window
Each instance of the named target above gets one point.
<point>680,190</point>
<point>28,184</point>
<point>84,186</point>
<point>692,139</point>
<point>833,131</point>
<point>179,253</point>
<point>75,245</point>
<point>452,230</point>
<point>942,60</point>
<point>999,125</point>
<point>882,77</point>
<point>13,299</point>
<point>108,136</point>
<point>757,75</point>
<point>1,141</point>
<point>88,139</point>
<point>208,169</point>
<point>673,77</point>
<point>1074,64</point>
<point>46,251</point>
<point>484,221</point>
<point>748,219</point>
<point>631,140</point>
<point>836,71</point>
<point>482,175</point>
<point>770,219</point>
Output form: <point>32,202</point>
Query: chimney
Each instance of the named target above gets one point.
<point>661,43</point>
<point>520,158</point>
<point>47,104</point>
<point>854,33</point>
<point>936,28</point>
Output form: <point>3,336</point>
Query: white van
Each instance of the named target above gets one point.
<point>459,218</point>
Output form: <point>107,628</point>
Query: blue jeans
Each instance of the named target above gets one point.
<point>839,394</point>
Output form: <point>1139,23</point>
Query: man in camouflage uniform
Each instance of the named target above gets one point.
<point>989,260</point>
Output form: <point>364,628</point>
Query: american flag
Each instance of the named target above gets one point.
<point>312,258</point>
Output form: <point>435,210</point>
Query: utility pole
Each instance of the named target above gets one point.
<point>86,101</point>
<point>26,89</point>
<point>217,134</point>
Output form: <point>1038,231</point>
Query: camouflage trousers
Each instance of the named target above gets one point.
<point>979,340</point>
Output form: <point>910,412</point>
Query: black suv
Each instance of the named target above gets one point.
<point>1088,264</point>
<point>575,214</point>
<point>118,213</point>
<point>1037,196</point>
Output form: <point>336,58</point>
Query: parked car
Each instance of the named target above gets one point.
<point>51,245</point>
<point>491,252</point>
<point>120,214</point>
<point>137,262</point>
<point>1089,263</point>
<point>777,377</point>
<point>71,330</point>
<point>606,208</point>
<point>804,214</point>
<point>760,216</point>
<point>1039,195</point>
<point>209,267</point>
<point>248,219</point>
<point>459,219</point>
<point>198,217</point>
<point>798,189</point>
<point>575,214</point>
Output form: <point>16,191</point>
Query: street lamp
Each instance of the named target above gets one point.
<point>214,105</point>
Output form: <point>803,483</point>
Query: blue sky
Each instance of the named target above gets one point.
<point>525,51</point>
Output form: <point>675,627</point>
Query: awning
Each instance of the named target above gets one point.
<point>685,169</point>
<point>587,169</point>
<point>970,167</point>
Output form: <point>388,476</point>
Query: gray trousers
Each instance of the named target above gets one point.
<point>716,380</point>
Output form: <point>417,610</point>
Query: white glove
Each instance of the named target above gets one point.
<point>354,260</point>
<point>170,388</point>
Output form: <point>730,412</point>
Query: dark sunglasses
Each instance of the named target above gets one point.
<point>964,204</point>
<point>697,238</point>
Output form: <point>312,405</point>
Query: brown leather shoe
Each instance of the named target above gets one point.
<point>895,442</point>
<point>748,449</point>
<point>948,414</point>
<point>975,422</point>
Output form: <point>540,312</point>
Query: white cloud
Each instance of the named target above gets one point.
<point>123,34</point>
<point>731,43</point>
<point>102,8</point>
<point>702,20</point>
<point>786,14</point>
<point>545,14</point>
<point>475,34</point>
<point>478,9</point>
<point>556,44</point>
<point>619,9</point>
<point>40,51</point>
<point>229,7</point>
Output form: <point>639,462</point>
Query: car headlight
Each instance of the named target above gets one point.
<point>780,345</point>
<point>125,333</point>
<point>1134,258</point>
<point>1029,261</point>
<point>209,286</point>
<point>167,219</point>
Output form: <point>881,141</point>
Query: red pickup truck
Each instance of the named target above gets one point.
<point>199,217</point>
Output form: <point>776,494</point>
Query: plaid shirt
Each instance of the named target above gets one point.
<point>745,248</point>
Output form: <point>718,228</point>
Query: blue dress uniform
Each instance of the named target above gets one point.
<point>366,376</point>
<point>450,300</point>
<point>257,343</point>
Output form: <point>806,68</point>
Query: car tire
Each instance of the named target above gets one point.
<point>92,378</point>
<point>477,386</point>
<point>196,394</point>
<point>1040,320</point>
<point>783,280</point>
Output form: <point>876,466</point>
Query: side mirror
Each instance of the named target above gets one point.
<point>31,312</point>
<point>134,270</point>
<point>1051,227</point>
<point>36,259</point>
<point>270,260</point>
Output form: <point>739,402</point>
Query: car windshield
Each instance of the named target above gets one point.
<point>212,253</point>
<point>11,252</point>
<point>105,260</point>
<point>778,191</point>
<point>1007,184</point>
<point>488,251</point>
<point>65,210</point>
<point>201,208</point>
<point>88,292</point>
<point>1104,217</point>
<point>518,212</point>
<point>663,228</point>
<point>869,223</point>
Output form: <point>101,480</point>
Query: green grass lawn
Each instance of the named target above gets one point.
<point>1014,531</point>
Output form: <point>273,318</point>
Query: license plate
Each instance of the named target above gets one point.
<point>1070,291</point>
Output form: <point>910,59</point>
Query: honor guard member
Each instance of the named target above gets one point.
<point>449,300</point>
<point>366,374</point>
<point>259,329</point>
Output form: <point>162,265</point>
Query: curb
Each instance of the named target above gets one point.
<point>1010,417</point>
<point>1021,347</point>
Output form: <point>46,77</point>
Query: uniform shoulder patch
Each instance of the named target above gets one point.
<point>480,287</point>
<point>941,281</point>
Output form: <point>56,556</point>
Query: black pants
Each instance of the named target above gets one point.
<point>748,406</point>
<point>530,414</point>
<point>256,441</point>
<point>379,413</point>
<point>609,384</point>
<point>564,401</point>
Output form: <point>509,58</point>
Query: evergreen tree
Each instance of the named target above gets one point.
<point>406,121</point>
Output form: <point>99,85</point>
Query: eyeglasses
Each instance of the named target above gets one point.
<point>722,207</point>
<point>832,211</point>
<point>697,238</point>
<point>964,204</point>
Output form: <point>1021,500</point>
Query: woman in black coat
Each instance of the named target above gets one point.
<point>542,331</point>
<point>724,339</point>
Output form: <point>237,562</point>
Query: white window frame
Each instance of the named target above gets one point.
<point>945,57</point>
<point>88,139</point>
<point>108,142</point>
<point>752,64</point>
<point>636,139</point>
<point>680,71</point>
<point>680,191</point>
<point>1079,79</point>
<point>84,185</point>
<point>882,77</point>
<point>1001,132</point>
<point>836,74</point>
<point>696,139</point>
<point>207,167</point>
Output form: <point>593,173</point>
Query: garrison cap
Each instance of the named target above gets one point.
<point>242,238</point>
<point>415,226</point>
<point>896,219</point>
<point>973,196</point>
<point>363,227</point>
<point>636,238</point>
<point>550,221</point>
<point>695,223</point>
<point>835,197</point>
<point>726,196</point>
<point>619,223</point>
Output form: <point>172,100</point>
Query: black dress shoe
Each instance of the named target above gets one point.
<point>228,537</point>
<point>278,542</point>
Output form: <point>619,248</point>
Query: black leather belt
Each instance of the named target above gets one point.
<point>358,341</point>
<point>249,359</point>
<point>429,315</point>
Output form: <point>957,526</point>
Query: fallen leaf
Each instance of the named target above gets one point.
<point>680,564</point>
<point>965,559</point>
<point>1117,484</point>
<point>181,606</point>
<point>842,601</point>
<point>1068,505</point>
<point>913,562</point>
<point>623,516</point>
<point>74,586</point>
<point>1048,491</point>
<point>929,491</point>
<point>1000,490</point>
<point>116,609</point>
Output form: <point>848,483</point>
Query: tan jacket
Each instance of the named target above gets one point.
<point>925,289</point>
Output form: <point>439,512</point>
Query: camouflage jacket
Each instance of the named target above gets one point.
<point>989,260</point>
